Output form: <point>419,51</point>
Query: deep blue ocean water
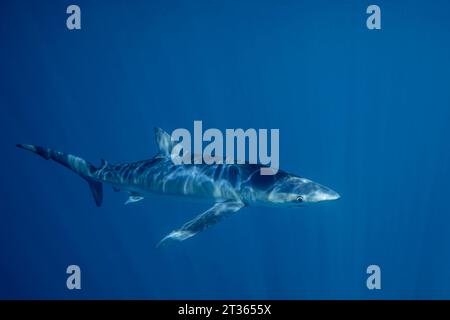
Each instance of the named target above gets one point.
<point>364,112</point>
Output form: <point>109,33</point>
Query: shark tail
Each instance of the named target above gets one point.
<point>74,163</point>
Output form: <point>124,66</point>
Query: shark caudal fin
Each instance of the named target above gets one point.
<point>96,190</point>
<point>76,164</point>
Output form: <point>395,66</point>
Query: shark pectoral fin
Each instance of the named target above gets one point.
<point>176,235</point>
<point>134,198</point>
<point>211,216</point>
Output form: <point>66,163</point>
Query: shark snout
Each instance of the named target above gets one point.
<point>322,193</point>
<point>331,195</point>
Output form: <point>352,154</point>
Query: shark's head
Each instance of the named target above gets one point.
<point>287,190</point>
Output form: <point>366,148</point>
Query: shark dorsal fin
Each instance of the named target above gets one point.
<point>163,141</point>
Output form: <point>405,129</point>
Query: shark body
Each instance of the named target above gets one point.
<point>228,187</point>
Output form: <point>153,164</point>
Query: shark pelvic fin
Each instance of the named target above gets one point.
<point>163,141</point>
<point>134,197</point>
<point>211,216</point>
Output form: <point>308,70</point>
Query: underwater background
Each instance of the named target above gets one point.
<point>365,112</point>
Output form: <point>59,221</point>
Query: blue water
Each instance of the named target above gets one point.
<point>364,112</point>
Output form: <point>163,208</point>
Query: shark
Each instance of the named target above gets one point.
<point>228,188</point>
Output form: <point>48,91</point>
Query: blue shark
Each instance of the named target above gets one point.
<point>227,187</point>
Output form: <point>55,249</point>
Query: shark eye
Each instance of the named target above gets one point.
<point>299,199</point>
